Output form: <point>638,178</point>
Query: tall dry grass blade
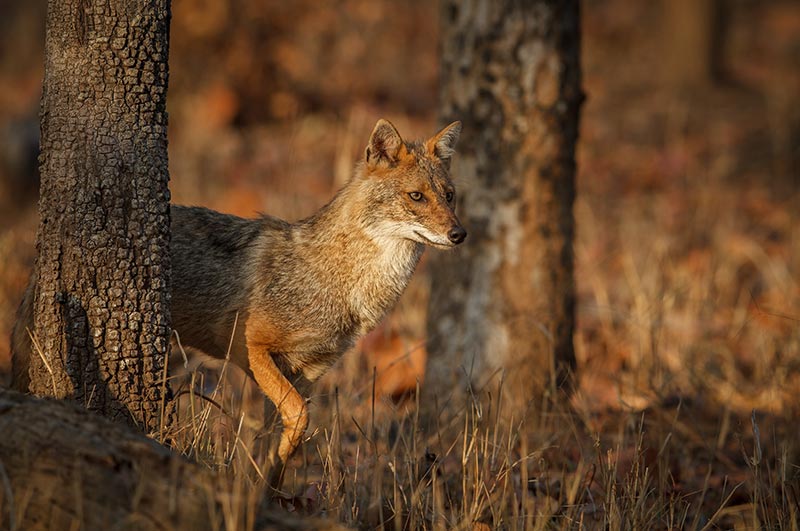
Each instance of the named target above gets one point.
<point>162,407</point>
<point>39,351</point>
<point>721,509</point>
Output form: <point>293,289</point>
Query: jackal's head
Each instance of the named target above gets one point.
<point>410,192</point>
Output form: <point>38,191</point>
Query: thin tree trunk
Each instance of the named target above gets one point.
<point>693,42</point>
<point>101,297</point>
<point>503,304</point>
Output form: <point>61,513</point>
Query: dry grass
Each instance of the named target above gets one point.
<point>369,463</point>
<point>686,413</point>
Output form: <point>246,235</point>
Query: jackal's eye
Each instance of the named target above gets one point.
<point>449,197</point>
<point>416,196</point>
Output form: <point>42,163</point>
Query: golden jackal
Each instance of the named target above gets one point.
<point>302,293</point>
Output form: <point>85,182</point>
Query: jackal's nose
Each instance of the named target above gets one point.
<point>457,235</point>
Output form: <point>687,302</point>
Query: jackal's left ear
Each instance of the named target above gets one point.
<point>384,144</point>
<point>443,143</point>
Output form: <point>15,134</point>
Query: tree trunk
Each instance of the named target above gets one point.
<point>101,297</point>
<point>693,42</point>
<point>504,302</point>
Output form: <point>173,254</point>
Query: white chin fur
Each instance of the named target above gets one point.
<point>408,231</point>
<point>429,238</point>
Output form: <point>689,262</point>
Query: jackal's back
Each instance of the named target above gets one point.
<point>212,273</point>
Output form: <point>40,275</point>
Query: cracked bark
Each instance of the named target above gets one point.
<point>504,302</point>
<point>101,299</point>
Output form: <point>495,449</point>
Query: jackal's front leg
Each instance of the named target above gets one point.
<point>290,404</point>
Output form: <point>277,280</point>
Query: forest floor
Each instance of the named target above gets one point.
<point>687,266</point>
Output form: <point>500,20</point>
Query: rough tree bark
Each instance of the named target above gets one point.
<point>101,298</point>
<point>505,301</point>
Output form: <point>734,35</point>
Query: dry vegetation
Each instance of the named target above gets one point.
<point>688,270</point>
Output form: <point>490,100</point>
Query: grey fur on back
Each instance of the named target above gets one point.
<point>212,255</point>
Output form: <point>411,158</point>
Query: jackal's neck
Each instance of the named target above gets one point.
<point>341,244</point>
<point>349,223</point>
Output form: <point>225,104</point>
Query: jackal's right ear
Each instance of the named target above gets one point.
<point>384,144</point>
<point>443,143</point>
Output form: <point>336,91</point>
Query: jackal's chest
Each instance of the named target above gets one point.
<point>368,308</point>
<point>381,282</point>
<point>312,341</point>
<point>311,329</point>
<point>315,351</point>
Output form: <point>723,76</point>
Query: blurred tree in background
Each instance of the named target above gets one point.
<point>504,304</point>
<point>694,41</point>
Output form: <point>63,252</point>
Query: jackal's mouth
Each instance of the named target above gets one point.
<point>432,243</point>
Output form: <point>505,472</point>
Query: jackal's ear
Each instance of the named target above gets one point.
<point>443,143</point>
<point>384,144</point>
